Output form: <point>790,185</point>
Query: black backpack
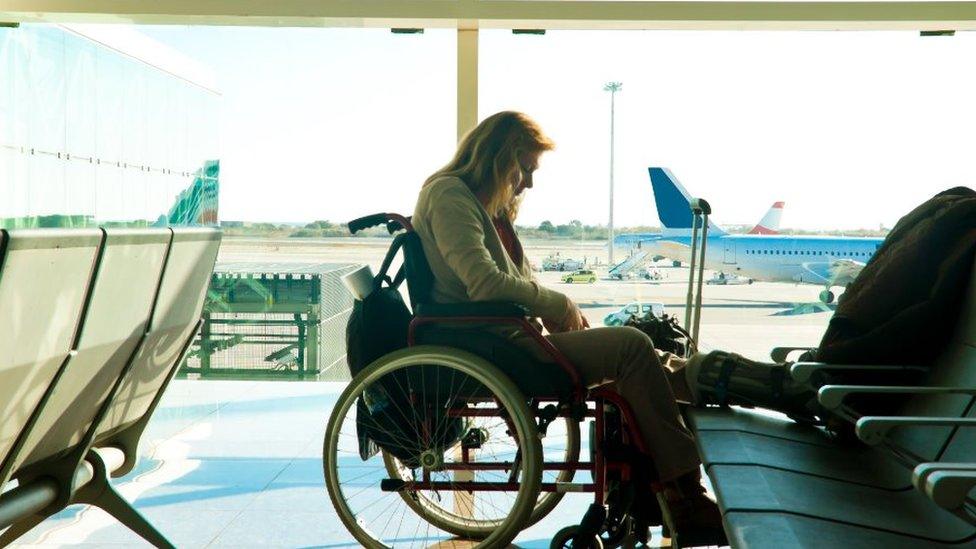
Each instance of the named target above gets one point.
<point>377,326</point>
<point>665,332</point>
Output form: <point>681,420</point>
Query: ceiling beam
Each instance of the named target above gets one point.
<point>508,14</point>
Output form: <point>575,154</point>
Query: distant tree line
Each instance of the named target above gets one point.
<point>316,229</point>
<point>574,230</point>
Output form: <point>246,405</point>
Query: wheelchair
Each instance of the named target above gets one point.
<point>469,440</point>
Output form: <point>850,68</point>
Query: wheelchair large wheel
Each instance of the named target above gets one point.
<point>430,408</point>
<point>561,444</point>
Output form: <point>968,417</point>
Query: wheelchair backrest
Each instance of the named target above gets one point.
<point>420,279</point>
<point>415,269</point>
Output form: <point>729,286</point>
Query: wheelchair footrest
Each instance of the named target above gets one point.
<point>592,523</point>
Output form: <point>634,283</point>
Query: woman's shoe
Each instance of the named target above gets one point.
<point>695,517</point>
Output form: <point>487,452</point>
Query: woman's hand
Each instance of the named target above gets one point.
<point>572,322</point>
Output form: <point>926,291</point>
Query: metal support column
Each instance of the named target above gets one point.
<point>467,118</point>
<point>467,81</point>
<point>312,342</point>
<point>300,324</point>
<point>205,349</point>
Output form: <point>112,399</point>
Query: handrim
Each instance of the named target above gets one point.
<point>510,397</point>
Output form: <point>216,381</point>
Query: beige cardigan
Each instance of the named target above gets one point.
<point>468,259</point>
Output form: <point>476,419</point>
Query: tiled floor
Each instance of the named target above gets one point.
<point>238,464</point>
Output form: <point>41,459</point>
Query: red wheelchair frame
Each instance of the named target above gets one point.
<point>577,408</point>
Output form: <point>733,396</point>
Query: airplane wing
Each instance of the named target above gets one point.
<point>839,272</point>
<point>844,271</point>
<point>673,250</point>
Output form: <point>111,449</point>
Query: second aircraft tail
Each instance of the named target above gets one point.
<point>769,224</point>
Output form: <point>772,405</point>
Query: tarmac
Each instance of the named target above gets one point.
<point>748,319</point>
<point>239,463</point>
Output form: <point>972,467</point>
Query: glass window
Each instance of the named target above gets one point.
<point>47,75</point>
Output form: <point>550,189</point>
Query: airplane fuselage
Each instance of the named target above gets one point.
<point>779,258</point>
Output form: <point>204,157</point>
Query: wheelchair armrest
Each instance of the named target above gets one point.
<point>497,313</point>
<point>832,397</point>
<point>779,354</point>
<point>489,309</point>
<point>803,371</point>
<point>872,430</point>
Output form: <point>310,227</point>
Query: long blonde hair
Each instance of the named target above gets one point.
<point>487,159</point>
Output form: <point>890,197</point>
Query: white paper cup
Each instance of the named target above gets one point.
<point>359,282</point>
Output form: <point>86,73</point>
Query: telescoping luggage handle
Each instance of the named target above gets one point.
<point>700,210</point>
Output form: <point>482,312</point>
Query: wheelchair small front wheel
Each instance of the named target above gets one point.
<point>565,539</point>
<point>617,531</point>
<point>428,443</point>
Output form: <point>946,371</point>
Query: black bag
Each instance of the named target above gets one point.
<point>379,325</point>
<point>665,332</point>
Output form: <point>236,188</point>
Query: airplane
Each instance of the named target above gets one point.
<point>769,224</point>
<point>828,261</point>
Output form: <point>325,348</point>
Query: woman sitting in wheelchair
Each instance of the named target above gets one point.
<point>454,427</point>
<point>464,217</point>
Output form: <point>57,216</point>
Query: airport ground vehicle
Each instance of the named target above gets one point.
<point>588,277</point>
<point>628,268</point>
<point>555,263</point>
<point>647,274</point>
<point>462,421</point>
<point>731,279</point>
<point>639,273</point>
<point>640,310</point>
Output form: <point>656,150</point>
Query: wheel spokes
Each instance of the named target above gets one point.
<point>425,486</point>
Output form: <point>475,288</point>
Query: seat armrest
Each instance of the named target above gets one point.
<point>803,371</point>
<point>922,471</point>
<point>492,309</point>
<point>832,397</point>
<point>779,354</point>
<point>949,488</point>
<point>872,430</point>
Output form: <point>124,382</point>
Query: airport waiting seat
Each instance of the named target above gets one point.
<point>93,325</point>
<point>781,484</point>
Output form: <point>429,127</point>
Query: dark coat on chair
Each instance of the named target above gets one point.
<point>903,305</point>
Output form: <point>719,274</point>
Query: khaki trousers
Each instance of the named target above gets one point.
<point>624,360</point>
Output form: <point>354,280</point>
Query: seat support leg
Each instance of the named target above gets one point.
<point>114,504</point>
<point>100,493</point>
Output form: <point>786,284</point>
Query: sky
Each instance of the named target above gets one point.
<point>850,129</point>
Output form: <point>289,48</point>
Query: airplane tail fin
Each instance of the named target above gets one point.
<point>769,224</point>
<point>674,204</point>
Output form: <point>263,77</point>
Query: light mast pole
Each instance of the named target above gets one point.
<point>613,88</point>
